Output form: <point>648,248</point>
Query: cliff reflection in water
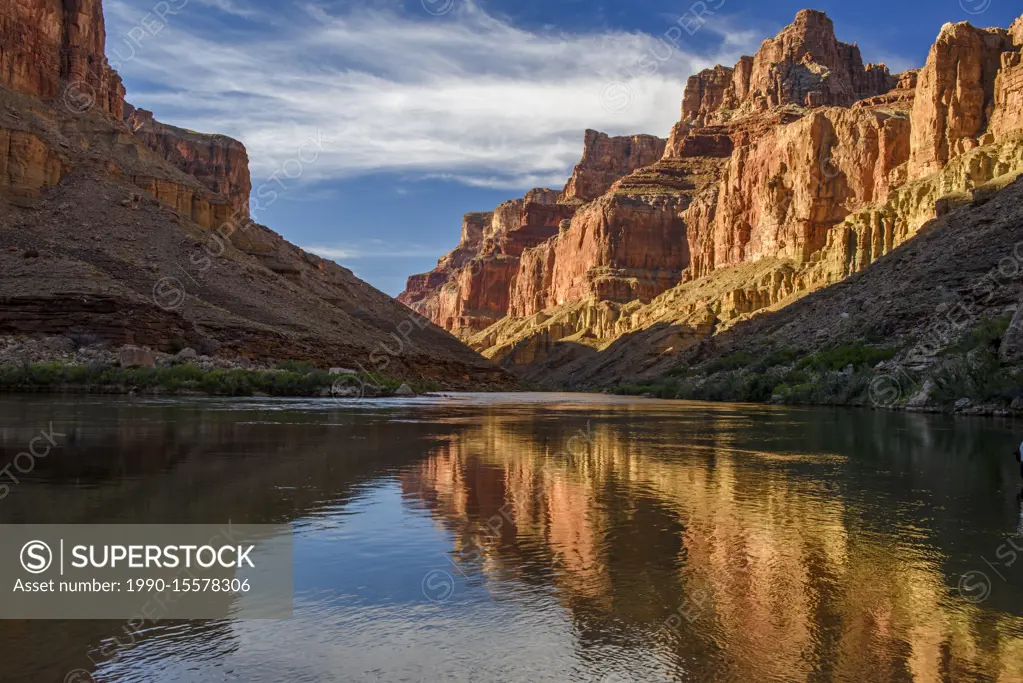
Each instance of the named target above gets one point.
<point>587,538</point>
<point>741,545</point>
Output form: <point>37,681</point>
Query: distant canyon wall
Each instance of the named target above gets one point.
<point>475,285</point>
<point>800,156</point>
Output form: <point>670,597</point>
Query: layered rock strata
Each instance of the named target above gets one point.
<point>804,65</point>
<point>27,164</point>
<point>606,160</point>
<point>217,161</point>
<point>475,285</point>
<point>56,51</point>
<point>469,290</point>
<point>800,167</point>
<point>966,90</point>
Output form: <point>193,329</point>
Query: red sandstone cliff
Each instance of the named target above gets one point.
<point>217,161</point>
<point>474,286</point>
<point>803,65</point>
<point>50,48</point>
<point>469,289</point>
<point>732,184</point>
<point>54,50</point>
<point>788,172</point>
<point>969,71</point>
<point>606,160</point>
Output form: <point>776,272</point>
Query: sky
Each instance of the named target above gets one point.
<point>374,125</point>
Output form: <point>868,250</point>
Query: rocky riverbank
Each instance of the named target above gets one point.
<point>972,376</point>
<point>82,365</point>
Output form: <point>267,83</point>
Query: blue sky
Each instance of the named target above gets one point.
<point>386,120</point>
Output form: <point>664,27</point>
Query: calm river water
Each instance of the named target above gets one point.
<point>533,538</point>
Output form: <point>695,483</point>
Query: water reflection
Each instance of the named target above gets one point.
<point>563,538</point>
<point>735,561</point>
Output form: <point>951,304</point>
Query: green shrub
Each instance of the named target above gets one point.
<point>183,377</point>
<point>735,361</point>
<point>299,367</point>
<point>977,376</point>
<point>784,356</point>
<point>986,335</point>
<point>970,367</point>
<point>856,354</point>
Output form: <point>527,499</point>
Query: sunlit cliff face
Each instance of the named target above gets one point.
<point>765,565</point>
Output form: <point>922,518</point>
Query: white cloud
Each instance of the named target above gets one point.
<point>465,96</point>
<point>229,7</point>
<point>330,253</point>
<point>373,249</point>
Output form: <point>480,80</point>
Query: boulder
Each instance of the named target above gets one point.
<point>347,388</point>
<point>1011,348</point>
<point>186,354</point>
<point>135,357</point>
<point>405,390</point>
<point>922,398</point>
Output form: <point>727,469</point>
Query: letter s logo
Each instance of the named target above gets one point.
<point>36,557</point>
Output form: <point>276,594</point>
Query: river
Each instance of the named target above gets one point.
<point>548,537</point>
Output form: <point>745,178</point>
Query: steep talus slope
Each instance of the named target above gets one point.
<point>115,225</point>
<point>790,172</point>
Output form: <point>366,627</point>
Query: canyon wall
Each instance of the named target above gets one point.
<point>788,172</point>
<point>956,95</point>
<point>474,286</point>
<point>217,161</point>
<point>805,65</point>
<point>27,164</point>
<point>51,48</point>
<point>469,289</point>
<point>755,169</point>
<point>606,160</point>
<point>106,215</point>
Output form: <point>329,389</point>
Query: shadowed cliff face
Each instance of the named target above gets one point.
<point>788,172</point>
